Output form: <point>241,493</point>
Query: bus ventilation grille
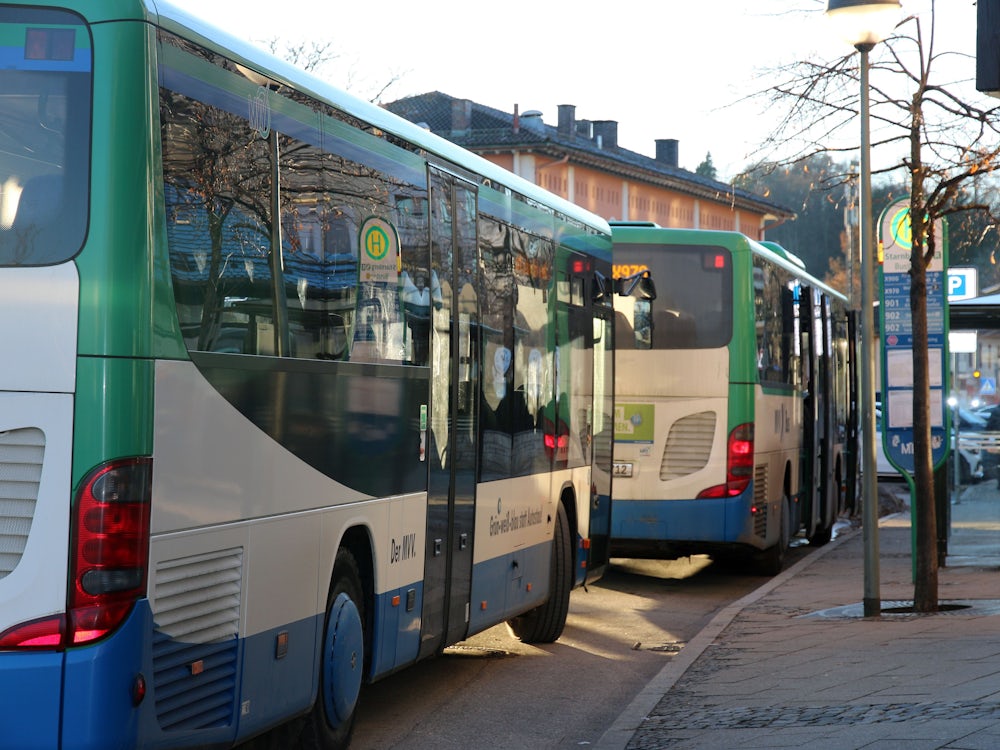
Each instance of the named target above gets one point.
<point>760,499</point>
<point>196,608</point>
<point>21,454</point>
<point>689,445</point>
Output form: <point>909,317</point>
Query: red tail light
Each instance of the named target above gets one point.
<point>739,464</point>
<point>111,545</point>
<point>108,553</point>
<point>556,446</point>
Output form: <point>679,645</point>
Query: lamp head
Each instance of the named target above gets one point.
<point>864,23</point>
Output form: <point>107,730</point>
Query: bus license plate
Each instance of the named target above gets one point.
<point>622,469</point>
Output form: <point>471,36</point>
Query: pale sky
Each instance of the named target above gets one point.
<point>667,69</point>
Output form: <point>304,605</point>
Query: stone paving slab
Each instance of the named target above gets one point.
<point>796,664</point>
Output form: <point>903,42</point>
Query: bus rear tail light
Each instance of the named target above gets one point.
<point>739,464</point>
<point>108,553</point>
<point>110,548</point>
<point>556,446</point>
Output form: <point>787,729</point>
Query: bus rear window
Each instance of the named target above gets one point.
<point>45,95</point>
<point>693,308</point>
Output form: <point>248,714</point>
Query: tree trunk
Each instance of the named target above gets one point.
<point>923,513</point>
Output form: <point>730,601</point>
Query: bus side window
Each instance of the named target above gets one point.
<point>624,333</point>
<point>319,276</point>
<point>39,203</point>
<point>673,330</point>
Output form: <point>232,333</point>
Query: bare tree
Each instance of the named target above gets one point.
<point>320,58</point>
<point>944,139</point>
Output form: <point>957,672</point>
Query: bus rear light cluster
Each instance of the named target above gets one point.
<point>556,446</point>
<point>739,464</point>
<point>111,546</point>
<point>108,553</point>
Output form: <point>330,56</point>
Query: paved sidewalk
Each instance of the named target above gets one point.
<point>796,664</point>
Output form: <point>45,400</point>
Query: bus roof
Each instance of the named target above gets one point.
<point>651,233</point>
<point>182,23</point>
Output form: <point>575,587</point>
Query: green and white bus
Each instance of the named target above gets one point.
<point>733,390</point>
<point>294,393</point>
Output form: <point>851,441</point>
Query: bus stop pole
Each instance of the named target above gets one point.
<point>872,597</point>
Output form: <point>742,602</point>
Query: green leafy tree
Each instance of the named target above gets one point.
<point>707,168</point>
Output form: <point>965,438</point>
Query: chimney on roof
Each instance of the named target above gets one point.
<point>532,120</point>
<point>461,116</point>
<point>668,151</point>
<point>567,119</point>
<point>606,133</point>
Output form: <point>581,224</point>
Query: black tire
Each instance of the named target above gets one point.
<point>544,624</point>
<point>330,723</point>
<point>770,561</point>
<point>822,535</point>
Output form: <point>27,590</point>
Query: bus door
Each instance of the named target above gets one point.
<point>603,427</point>
<point>810,410</point>
<point>826,429</point>
<point>452,450</point>
<point>812,417</point>
<point>585,393</point>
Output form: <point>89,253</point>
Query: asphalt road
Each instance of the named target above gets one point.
<point>492,691</point>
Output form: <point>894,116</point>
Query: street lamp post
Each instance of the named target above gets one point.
<point>864,23</point>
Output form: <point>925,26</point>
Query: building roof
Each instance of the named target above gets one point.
<point>976,312</point>
<point>482,129</point>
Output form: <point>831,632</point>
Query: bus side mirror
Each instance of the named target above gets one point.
<point>603,291</point>
<point>639,285</point>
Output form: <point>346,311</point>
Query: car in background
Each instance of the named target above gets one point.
<point>984,432</point>
<point>971,463</point>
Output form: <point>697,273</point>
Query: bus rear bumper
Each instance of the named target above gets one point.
<point>30,686</point>
<point>79,699</point>
<point>664,528</point>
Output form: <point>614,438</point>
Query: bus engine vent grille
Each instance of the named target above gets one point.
<point>689,445</point>
<point>760,499</point>
<point>196,608</point>
<point>21,454</point>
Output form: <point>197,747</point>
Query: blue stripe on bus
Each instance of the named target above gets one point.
<point>29,700</point>
<point>399,627</point>
<point>13,58</point>
<point>509,585</point>
<point>726,520</point>
<point>92,684</point>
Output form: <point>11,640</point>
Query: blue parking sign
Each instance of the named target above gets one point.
<point>963,283</point>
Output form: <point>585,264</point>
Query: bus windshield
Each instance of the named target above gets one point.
<point>45,91</point>
<point>693,308</point>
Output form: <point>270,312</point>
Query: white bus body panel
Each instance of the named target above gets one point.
<point>513,514</point>
<point>273,528</point>
<point>676,391</point>
<point>36,395</point>
<point>207,461</point>
<point>39,308</point>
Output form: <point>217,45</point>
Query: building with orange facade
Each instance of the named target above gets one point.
<point>581,161</point>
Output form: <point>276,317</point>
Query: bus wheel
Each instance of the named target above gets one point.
<point>342,661</point>
<point>823,532</point>
<point>770,561</point>
<point>545,624</point>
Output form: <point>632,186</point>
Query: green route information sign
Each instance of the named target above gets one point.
<point>897,339</point>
